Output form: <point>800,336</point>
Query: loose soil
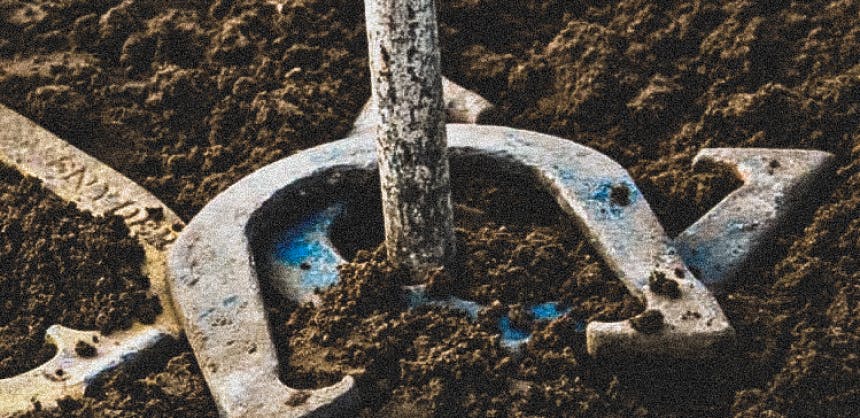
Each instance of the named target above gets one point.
<point>186,97</point>
<point>59,265</point>
<point>436,362</point>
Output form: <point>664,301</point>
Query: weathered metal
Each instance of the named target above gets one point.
<point>216,283</point>
<point>92,186</point>
<point>776,184</point>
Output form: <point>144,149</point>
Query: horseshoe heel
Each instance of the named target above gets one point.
<point>776,183</point>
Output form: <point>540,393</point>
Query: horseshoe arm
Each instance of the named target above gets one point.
<point>601,195</point>
<point>77,177</point>
<point>776,183</point>
<point>217,293</point>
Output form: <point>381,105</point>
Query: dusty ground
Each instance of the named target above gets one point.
<point>186,97</point>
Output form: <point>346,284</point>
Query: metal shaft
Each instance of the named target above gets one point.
<point>411,142</point>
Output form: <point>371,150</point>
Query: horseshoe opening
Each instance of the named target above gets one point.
<point>500,206</point>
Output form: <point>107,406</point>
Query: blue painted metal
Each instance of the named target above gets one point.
<point>306,248</point>
<point>512,338</point>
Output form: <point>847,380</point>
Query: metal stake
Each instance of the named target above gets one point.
<point>411,142</point>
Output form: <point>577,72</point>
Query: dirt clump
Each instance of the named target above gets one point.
<point>85,349</point>
<point>648,322</point>
<point>659,284</point>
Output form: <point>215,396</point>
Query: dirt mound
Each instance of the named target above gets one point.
<point>186,97</point>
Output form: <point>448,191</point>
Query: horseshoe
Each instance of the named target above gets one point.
<point>76,177</point>
<point>215,274</point>
<point>716,247</point>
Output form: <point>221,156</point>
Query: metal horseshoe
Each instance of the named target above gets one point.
<point>77,177</point>
<point>216,278</point>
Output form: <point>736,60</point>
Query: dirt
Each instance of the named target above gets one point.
<point>193,95</point>
<point>85,349</point>
<point>187,97</point>
<point>661,285</point>
<point>647,322</point>
<point>59,265</point>
<point>436,362</point>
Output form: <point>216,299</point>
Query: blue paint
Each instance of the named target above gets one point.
<point>697,257</point>
<point>417,296</point>
<point>602,195</point>
<point>512,338</point>
<point>510,335</point>
<point>470,308</point>
<point>230,301</point>
<point>548,311</point>
<point>304,247</point>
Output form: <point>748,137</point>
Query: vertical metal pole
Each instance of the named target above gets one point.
<point>411,142</point>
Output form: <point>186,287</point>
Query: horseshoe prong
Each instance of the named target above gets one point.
<point>776,183</point>
<point>461,106</point>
